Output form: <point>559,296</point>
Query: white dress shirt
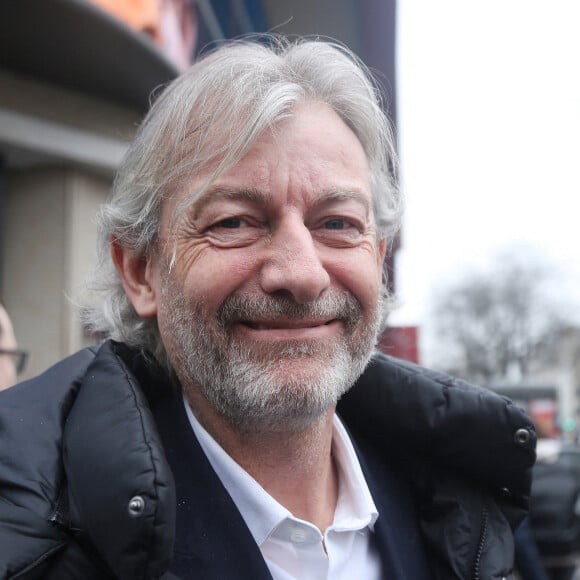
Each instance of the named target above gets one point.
<point>294,548</point>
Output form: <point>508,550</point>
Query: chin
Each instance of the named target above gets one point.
<point>279,420</point>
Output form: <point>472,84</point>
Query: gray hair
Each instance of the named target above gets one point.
<point>208,118</point>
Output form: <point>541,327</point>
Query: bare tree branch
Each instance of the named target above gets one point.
<point>493,324</point>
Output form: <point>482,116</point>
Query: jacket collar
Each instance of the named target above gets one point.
<point>212,538</point>
<point>435,421</point>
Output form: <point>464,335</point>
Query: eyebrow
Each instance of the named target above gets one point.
<point>332,195</point>
<point>220,192</point>
<point>259,197</point>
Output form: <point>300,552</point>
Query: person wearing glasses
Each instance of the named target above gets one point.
<point>237,422</point>
<point>12,359</point>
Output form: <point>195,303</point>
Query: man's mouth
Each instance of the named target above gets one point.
<point>286,324</point>
<point>280,318</point>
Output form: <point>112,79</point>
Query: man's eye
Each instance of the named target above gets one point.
<point>336,224</point>
<point>230,223</point>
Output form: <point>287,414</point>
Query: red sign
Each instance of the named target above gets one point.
<point>400,342</point>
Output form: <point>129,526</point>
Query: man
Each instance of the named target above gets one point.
<point>12,359</point>
<point>241,280</point>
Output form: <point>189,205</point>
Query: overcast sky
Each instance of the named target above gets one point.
<point>489,131</point>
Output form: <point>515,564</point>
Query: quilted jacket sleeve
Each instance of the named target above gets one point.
<point>113,459</point>
<point>32,415</point>
<point>78,445</point>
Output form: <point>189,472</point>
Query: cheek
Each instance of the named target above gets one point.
<point>216,274</point>
<point>188,254</point>
<point>360,274</point>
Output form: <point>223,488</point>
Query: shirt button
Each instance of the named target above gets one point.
<point>298,535</point>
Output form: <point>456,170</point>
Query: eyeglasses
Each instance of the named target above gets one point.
<point>20,357</point>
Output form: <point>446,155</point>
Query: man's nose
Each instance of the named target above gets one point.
<point>293,265</point>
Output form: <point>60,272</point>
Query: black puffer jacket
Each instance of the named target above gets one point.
<point>78,443</point>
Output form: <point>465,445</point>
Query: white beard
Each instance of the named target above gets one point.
<point>247,383</point>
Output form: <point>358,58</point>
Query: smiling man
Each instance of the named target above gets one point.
<point>237,422</point>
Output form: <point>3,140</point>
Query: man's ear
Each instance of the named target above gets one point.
<point>136,275</point>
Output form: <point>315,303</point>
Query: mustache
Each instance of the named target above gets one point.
<point>335,306</point>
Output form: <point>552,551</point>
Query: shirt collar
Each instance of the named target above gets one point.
<point>262,513</point>
<point>355,508</point>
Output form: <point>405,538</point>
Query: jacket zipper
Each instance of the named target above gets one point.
<point>60,514</point>
<point>480,547</point>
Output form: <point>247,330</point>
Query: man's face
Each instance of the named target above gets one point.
<point>270,310</point>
